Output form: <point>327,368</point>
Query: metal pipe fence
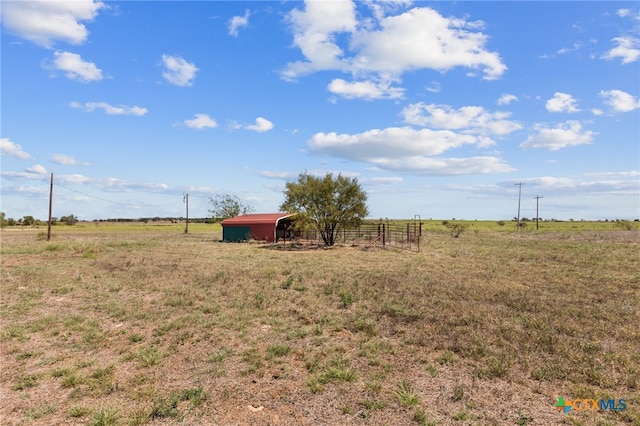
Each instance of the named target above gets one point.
<point>404,236</point>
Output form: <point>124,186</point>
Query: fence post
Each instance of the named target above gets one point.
<point>384,234</point>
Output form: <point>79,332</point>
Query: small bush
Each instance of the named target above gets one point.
<point>347,299</point>
<point>406,395</point>
<point>455,228</point>
<point>105,417</point>
<point>278,350</point>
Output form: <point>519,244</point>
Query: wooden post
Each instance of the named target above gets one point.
<point>384,235</point>
<point>186,200</point>
<point>50,205</point>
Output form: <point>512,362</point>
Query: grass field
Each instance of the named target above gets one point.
<point>144,324</point>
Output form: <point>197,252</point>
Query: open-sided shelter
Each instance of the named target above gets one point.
<point>268,227</point>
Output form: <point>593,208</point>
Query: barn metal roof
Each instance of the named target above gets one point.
<point>256,218</point>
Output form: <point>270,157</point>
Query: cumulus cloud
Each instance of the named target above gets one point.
<point>315,30</point>
<point>178,71</point>
<point>74,67</point>
<point>109,109</point>
<point>378,144</point>
<point>13,149</point>
<point>561,102</point>
<point>619,101</point>
<point>381,181</point>
<point>627,49</point>
<point>407,150</point>
<point>66,160</point>
<point>612,183</point>
<point>269,174</point>
<point>446,43</point>
<point>261,125</point>
<point>238,22</point>
<point>440,166</point>
<point>37,169</point>
<point>468,119</point>
<point>506,99</point>
<point>35,172</point>
<point>201,121</point>
<point>383,48</point>
<point>569,133</point>
<point>44,22</point>
<point>364,89</point>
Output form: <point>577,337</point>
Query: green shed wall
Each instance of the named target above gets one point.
<point>236,233</point>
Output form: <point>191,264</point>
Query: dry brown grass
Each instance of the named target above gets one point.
<point>159,327</point>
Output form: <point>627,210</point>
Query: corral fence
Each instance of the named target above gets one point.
<point>404,236</point>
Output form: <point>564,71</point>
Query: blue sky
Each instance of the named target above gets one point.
<point>437,108</point>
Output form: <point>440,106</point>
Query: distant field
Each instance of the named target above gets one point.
<point>133,324</point>
<point>435,225</point>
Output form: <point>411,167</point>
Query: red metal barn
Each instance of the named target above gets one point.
<point>267,227</point>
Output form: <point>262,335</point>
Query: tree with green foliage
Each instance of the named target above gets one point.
<point>326,204</point>
<point>28,221</point>
<point>69,220</point>
<point>224,206</point>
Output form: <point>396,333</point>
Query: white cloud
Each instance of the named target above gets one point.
<point>622,183</point>
<point>376,181</point>
<point>28,174</point>
<point>469,119</point>
<point>238,22</point>
<point>386,48</point>
<point>261,125</point>
<point>73,178</point>
<point>44,22</point>
<point>576,46</point>
<point>13,149</point>
<point>75,68</point>
<point>434,87</point>
<point>315,31</point>
<point>619,101</point>
<point>445,43</point>
<point>404,149</point>
<point>27,191</point>
<point>66,160</point>
<point>202,121</point>
<point>569,133</point>
<point>631,173</point>
<point>506,99</point>
<point>178,71</point>
<point>438,166</point>
<point>37,169</point>
<point>628,49</point>
<point>269,174</point>
<point>364,89</point>
<point>562,102</point>
<point>376,144</point>
<point>110,109</point>
<point>623,13</point>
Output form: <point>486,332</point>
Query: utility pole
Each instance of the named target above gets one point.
<point>186,200</point>
<point>537,197</point>
<point>519,184</point>
<point>50,204</point>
